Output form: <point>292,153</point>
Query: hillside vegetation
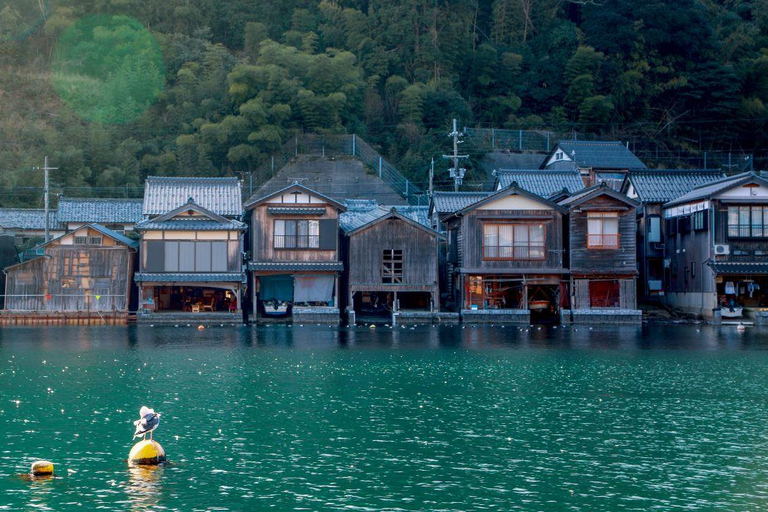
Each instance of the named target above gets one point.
<point>242,77</point>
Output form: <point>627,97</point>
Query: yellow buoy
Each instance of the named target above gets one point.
<point>147,453</point>
<point>42,468</point>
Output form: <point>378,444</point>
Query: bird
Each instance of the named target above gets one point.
<point>147,423</point>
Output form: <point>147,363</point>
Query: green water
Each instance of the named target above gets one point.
<point>451,418</point>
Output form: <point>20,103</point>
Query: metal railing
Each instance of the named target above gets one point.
<point>603,241</point>
<point>526,251</point>
<point>296,241</point>
<point>748,230</point>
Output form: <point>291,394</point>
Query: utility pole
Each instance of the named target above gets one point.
<point>456,172</point>
<point>431,177</point>
<point>47,204</point>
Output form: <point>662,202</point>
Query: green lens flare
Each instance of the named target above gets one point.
<point>108,69</point>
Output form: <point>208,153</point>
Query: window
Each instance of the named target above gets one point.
<point>559,155</point>
<point>88,240</point>
<point>602,230</point>
<point>748,221</point>
<point>392,266</point>
<point>81,240</point>
<point>297,234</point>
<point>513,242</point>
<point>654,228</point>
<point>604,294</point>
<point>699,221</point>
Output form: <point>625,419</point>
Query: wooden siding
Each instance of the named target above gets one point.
<point>262,230</point>
<point>738,244</point>
<point>72,278</point>
<point>471,239</point>
<point>419,248</point>
<point>583,259</point>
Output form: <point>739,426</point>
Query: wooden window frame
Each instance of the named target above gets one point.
<point>310,238</point>
<point>745,231</point>
<point>390,274</point>
<point>602,246</point>
<point>513,246</point>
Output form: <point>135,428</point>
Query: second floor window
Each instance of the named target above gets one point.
<point>297,234</point>
<point>392,266</point>
<point>513,242</point>
<point>748,221</point>
<point>602,230</point>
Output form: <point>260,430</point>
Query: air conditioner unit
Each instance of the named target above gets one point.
<point>722,249</point>
<point>667,263</point>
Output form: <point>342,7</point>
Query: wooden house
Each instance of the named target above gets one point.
<point>507,252</point>
<point>391,260</point>
<point>601,256</point>
<point>27,225</point>
<point>651,188</point>
<point>116,214</point>
<point>295,258</point>
<point>85,274</point>
<point>717,248</point>
<point>191,250</point>
<point>596,161</point>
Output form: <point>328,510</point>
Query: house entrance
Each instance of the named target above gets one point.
<point>193,299</point>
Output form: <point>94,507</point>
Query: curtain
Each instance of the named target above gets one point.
<point>313,288</point>
<point>278,287</point>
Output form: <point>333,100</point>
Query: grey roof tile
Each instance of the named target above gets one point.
<point>219,195</point>
<point>449,202</point>
<point>189,224</point>
<point>296,265</point>
<point>173,277</point>
<point>28,219</point>
<point>709,189</point>
<point>739,267</point>
<point>663,185</point>
<point>101,210</point>
<point>600,154</point>
<point>542,182</point>
<point>362,212</point>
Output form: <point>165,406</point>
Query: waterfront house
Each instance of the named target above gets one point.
<point>506,253</point>
<point>651,188</point>
<point>391,261</point>
<point>191,250</point>
<point>717,248</point>
<point>596,161</point>
<point>295,258</point>
<point>119,215</point>
<point>27,225</point>
<point>81,275</point>
<point>601,257</point>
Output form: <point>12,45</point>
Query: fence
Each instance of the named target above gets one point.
<point>338,146</point>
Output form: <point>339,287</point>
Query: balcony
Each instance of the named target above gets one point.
<point>296,241</point>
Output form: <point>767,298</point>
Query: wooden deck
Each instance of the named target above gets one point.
<point>62,318</point>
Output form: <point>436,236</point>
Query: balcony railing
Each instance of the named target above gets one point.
<point>297,241</point>
<point>529,251</point>
<point>603,241</point>
<point>747,231</point>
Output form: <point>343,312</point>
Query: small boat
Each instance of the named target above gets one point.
<point>732,312</point>
<point>275,307</point>
<point>538,305</point>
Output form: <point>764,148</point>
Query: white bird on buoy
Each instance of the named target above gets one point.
<point>147,423</point>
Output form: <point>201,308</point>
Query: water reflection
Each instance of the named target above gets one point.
<point>144,487</point>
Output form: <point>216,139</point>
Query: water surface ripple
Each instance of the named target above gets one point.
<point>425,418</point>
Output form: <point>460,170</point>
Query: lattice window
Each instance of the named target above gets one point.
<point>392,266</point>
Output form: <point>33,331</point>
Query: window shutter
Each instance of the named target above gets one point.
<point>329,234</point>
<point>155,257</point>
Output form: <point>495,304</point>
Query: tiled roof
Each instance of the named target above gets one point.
<point>663,185</point>
<point>116,236</point>
<point>712,188</point>
<point>733,267</point>
<point>172,277</point>
<point>600,154</point>
<point>102,210</point>
<point>28,218</point>
<point>542,182</point>
<point>189,224</point>
<point>361,212</point>
<point>449,202</point>
<point>280,210</point>
<point>219,195</point>
<point>594,191</point>
<point>254,200</point>
<point>296,265</point>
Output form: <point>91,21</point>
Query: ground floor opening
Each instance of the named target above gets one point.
<point>540,297</point>
<point>281,295</point>
<point>737,294</point>
<point>190,299</point>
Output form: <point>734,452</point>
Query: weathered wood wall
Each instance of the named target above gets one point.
<point>471,239</point>
<point>419,248</point>
<point>584,259</point>
<point>262,231</point>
